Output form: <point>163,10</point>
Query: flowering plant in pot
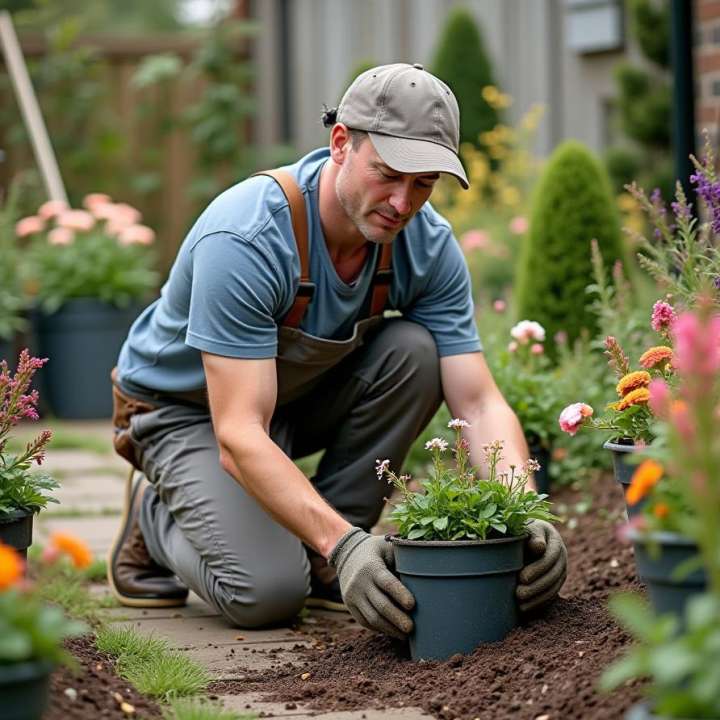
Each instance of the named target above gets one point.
<point>680,652</point>
<point>31,636</point>
<point>459,546</point>
<point>89,272</point>
<point>526,379</point>
<point>23,492</point>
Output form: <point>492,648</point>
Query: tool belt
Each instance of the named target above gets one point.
<point>124,407</point>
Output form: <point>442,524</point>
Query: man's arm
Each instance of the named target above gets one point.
<point>471,394</point>
<point>242,397</point>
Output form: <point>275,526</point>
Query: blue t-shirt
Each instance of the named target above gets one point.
<point>237,272</point>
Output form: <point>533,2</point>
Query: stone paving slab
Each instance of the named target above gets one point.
<point>232,662</point>
<point>97,532</point>
<point>196,607</point>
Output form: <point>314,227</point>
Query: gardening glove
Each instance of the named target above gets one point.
<point>373,595</point>
<point>543,576</point>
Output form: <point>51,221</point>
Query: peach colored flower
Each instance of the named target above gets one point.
<point>51,208</point>
<point>512,346</point>
<point>92,200</point>
<point>76,549</point>
<point>527,330</point>
<point>30,225</point>
<point>655,356</point>
<point>499,306</point>
<point>537,349</point>
<point>639,396</point>
<point>643,480</point>
<point>633,381</point>
<point>76,220</point>
<point>121,214</point>
<point>519,225</point>
<point>11,566</point>
<point>573,416</point>
<point>136,235</point>
<point>61,236</point>
<point>474,239</point>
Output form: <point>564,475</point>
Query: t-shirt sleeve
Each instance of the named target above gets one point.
<point>237,290</point>
<point>445,306</point>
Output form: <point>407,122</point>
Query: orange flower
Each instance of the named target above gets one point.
<point>643,480</point>
<point>661,511</point>
<point>11,566</point>
<point>73,547</point>
<point>639,396</point>
<point>656,356</point>
<point>632,381</point>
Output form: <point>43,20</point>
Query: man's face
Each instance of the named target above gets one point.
<point>376,198</point>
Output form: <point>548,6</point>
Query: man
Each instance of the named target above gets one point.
<point>269,343</point>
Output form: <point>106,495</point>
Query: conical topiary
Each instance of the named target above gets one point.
<point>462,62</point>
<point>572,205</point>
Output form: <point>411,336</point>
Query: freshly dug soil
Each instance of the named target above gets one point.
<point>99,692</point>
<point>545,670</point>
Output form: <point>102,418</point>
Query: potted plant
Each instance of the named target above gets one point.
<point>680,653</point>
<point>91,271</point>
<point>459,547</point>
<point>525,377</point>
<point>23,492</point>
<point>31,635</point>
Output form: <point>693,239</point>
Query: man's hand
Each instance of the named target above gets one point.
<point>542,578</point>
<point>373,595</point>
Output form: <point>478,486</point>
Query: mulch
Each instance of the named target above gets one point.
<point>545,670</point>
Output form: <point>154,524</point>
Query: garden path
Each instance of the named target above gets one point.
<point>92,482</point>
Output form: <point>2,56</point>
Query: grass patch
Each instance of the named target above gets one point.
<point>62,439</point>
<point>69,590</point>
<point>185,709</point>
<point>75,512</point>
<point>151,665</point>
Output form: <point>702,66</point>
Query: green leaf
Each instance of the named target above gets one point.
<point>440,523</point>
<point>417,533</point>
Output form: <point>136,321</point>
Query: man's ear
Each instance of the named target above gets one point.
<point>340,143</point>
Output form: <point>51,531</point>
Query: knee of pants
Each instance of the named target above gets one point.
<point>417,352</point>
<point>270,602</point>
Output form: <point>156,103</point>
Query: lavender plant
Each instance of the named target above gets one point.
<point>455,505</point>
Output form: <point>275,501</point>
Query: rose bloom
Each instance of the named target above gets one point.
<point>76,220</point>
<point>61,236</point>
<point>499,306</point>
<point>29,226</point>
<point>527,330</point>
<point>136,235</point>
<point>537,349</point>
<point>51,208</point>
<point>573,416</point>
<point>93,200</point>
<point>519,225</point>
<point>474,239</point>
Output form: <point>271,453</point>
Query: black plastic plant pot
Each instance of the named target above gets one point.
<point>542,476</point>
<point>642,711</point>
<point>16,530</point>
<point>464,592</point>
<point>657,556</point>
<point>623,470</point>
<point>24,689</point>
<point>82,341</point>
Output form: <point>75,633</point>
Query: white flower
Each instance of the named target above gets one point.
<point>381,467</point>
<point>436,444</point>
<point>527,330</point>
<point>458,423</point>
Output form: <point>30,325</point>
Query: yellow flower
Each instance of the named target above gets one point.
<point>656,356</point>
<point>632,381</point>
<point>74,548</point>
<point>643,480</point>
<point>11,566</point>
<point>639,396</point>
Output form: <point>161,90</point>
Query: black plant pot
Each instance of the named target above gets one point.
<point>464,592</point>
<point>82,341</point>
<point>668,593</point>
<point>16,530</point>
<point>621,451</point>
<point>24,689</point>
<point>542,476</point>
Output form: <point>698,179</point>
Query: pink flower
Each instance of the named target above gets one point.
<point>61,236</point>
<point>30,225</point>
<point>120,214</point>
<point>527,330</point>
<point>474,239</point>
<point>92,200</point>
<point>659,397</point>
<point>663,316</point>
<point>573,416</point>
<point>76,220</point>
<point>537,349</point>
<point>513,346</point>
<point>136,235</point>
<point>519,225</point>
<point>624,531</point>
<point>697,345</point>
<point>561,337</point>
<point>499,306</point>
<point>51,208</point>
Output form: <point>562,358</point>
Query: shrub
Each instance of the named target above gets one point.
<point>572,205</point>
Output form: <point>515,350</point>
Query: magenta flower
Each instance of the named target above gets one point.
<point>659,397</point>
<point>663,316</point>
<point>697,345</point>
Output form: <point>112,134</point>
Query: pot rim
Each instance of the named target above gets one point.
<point>396,540</point>
<point>17,514</point>
<point>661,536</point>
<point>617,445</point>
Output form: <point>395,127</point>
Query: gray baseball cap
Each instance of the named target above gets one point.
<point>411,116</point>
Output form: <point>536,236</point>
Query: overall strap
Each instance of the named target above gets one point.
<point>298,216</point>
<point>382,280</point>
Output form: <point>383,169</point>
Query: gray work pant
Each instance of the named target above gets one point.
<point>200,523</point>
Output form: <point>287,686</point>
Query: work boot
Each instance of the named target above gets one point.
<point>324,584</point>
<point>135,578</point>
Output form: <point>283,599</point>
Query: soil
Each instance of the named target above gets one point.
<point>98,691</point>
<point>545,670</point>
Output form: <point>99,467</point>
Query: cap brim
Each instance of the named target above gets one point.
<point>406,155</point>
